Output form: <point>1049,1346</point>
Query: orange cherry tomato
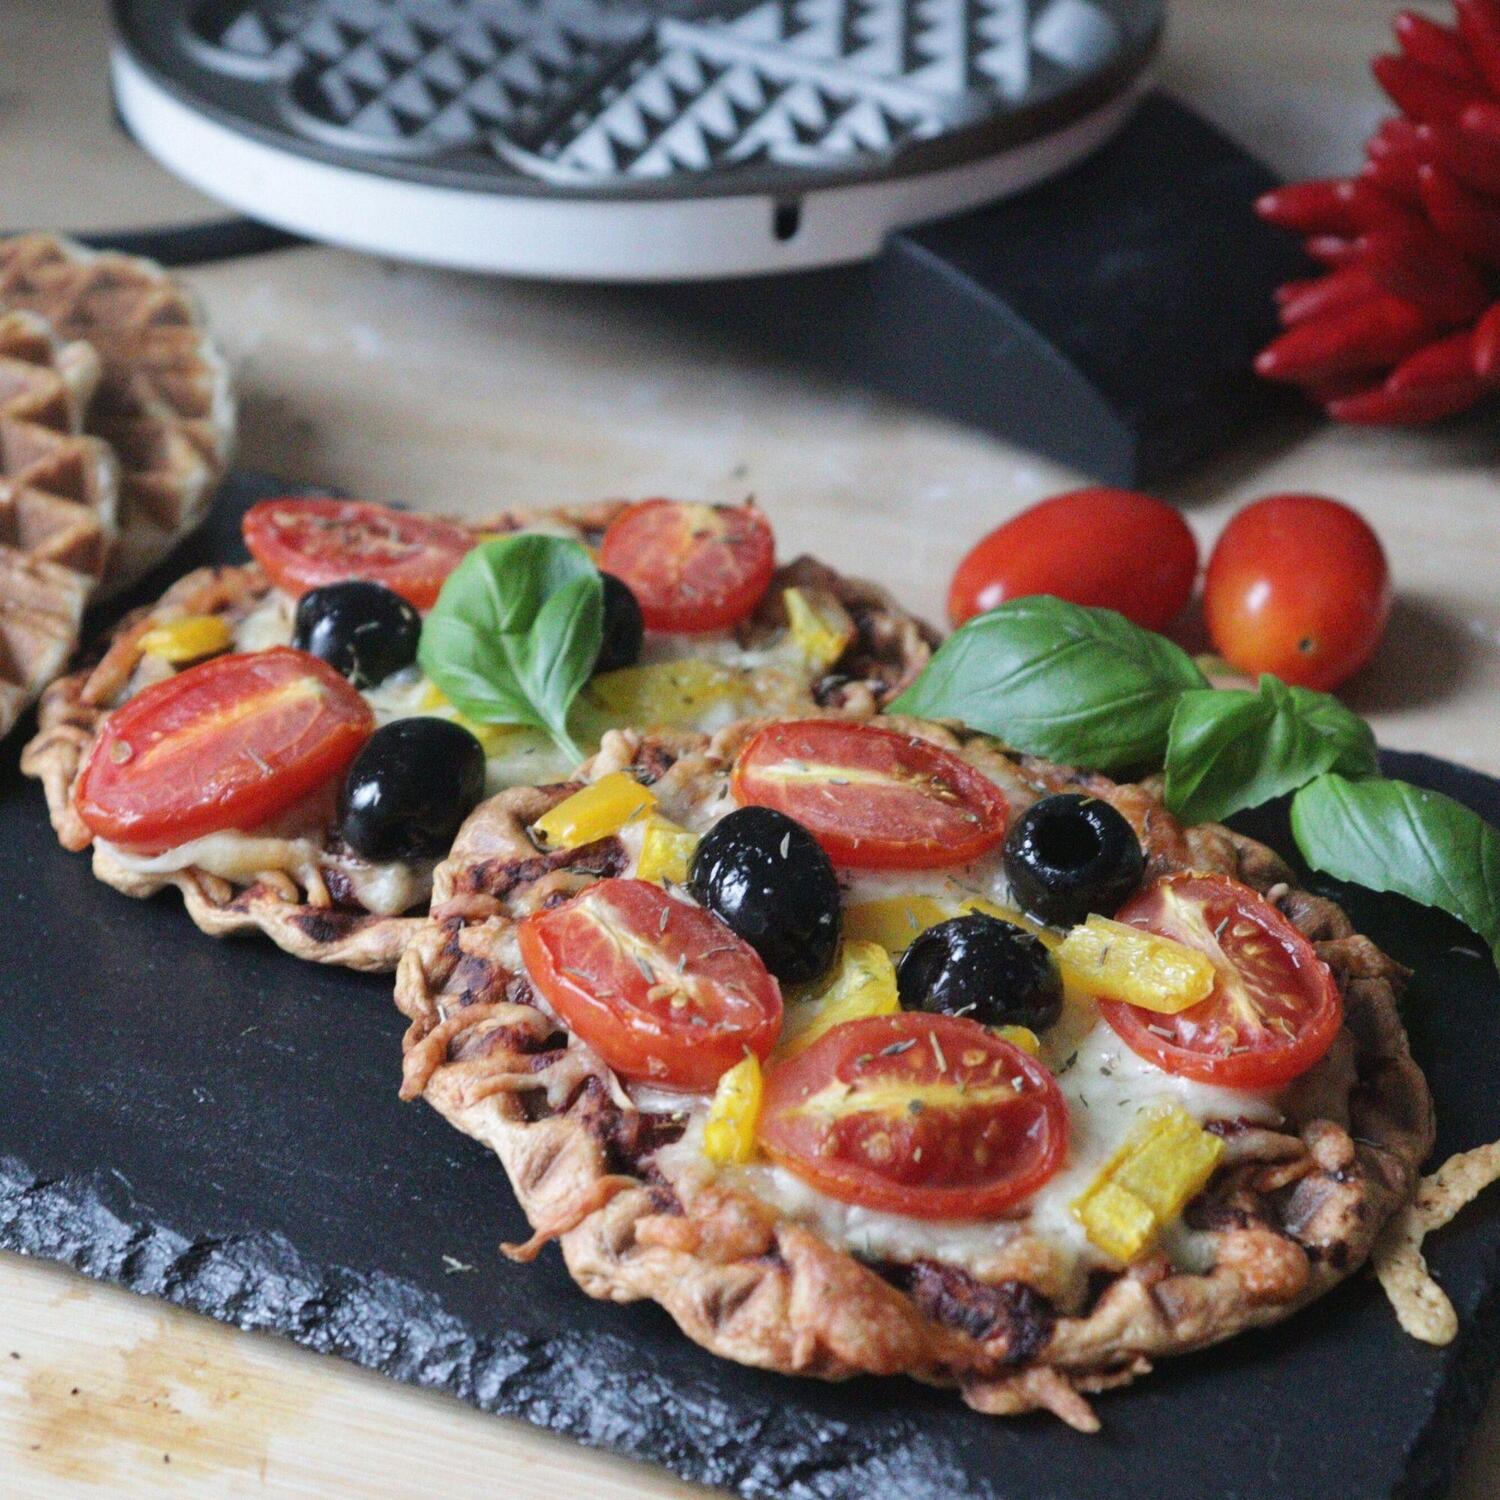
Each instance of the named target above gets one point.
<point>304,544</point>
<point>1274,1009</point>
<point>873,798</point>
<point>226,744</point>
<point>661,989</point>
<point>691,568</point>
<point>1112,549</point>
<point>1298,586</point>
<point>933,1116</point>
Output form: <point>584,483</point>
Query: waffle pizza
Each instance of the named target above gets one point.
<point>264,739</point>
<point>779,1051</point>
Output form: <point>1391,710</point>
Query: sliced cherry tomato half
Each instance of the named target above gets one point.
<point>873,798</point>
<point>304,544</point>
<point>226,744</point>
<point>662,990</point>
<point>928,1115</point>
<point>691,567</point>
<point>1274,1010</point>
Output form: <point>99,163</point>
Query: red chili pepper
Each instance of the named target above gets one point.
<point>1468,222</point>
<point>1470,155</point>
<point>1437,46</point>
<point>1445,364</point>
<point>1420,268</point>
<point>1332,293</point>
<point>1310,207</point>
<point>1422,92</point>
<point>1483,119</point>
<point>1334,249</point>
<point>1385,408</point>
<point>1487,346</point>
<point>1367,337</point>
<point>1394,171</point>
<point>1479,26</point>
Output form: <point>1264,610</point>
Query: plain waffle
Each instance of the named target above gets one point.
<point>163,400</point>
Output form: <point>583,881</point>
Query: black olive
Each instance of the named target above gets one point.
<point>981,967</point>
<point>766,877</point>
<point>410,788</point>
<point>624,628</point>
<point>1067,856</point>
<point>364,630</point>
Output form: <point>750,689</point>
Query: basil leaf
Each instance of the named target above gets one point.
<point>1056,679</point>
<point>1231,749</point>
<point>1391,836</point>
<point>516,632</point>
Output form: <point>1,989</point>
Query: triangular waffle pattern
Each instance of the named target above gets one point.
<point>163,401</point>
<point>583,91</point>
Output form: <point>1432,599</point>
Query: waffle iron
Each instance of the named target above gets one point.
<point>841,177</point>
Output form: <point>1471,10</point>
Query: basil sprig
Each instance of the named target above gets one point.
<point>1087,687</point>
<point>1230,749</point>
<point>516,632</point>
<point>1392,836</point>
<point>1060,680</point>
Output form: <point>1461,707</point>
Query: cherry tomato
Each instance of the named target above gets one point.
<point>226,744</point>
<point>691,567</point>
<point>1298,586</point>
<point>1114,549</point>
<point>873,798</point>
<point>662,990</point>
<point>1274,1009</point>
<point>928,1115</point>
<point>304,544</point>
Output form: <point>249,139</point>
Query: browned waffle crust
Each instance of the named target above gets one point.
<point>1290,1212</point>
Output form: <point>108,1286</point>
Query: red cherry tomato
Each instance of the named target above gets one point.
<point>304,544</point>
<point>873,798</point>
<point>226,744</point>
<point>928,1115</point>
<point>1113,549</point>
<point>1274,1009</point>
<point>662,990</point>
<point>691,567</point>
<point>1298,586</point>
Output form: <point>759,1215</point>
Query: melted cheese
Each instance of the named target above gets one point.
<point>241,857</point>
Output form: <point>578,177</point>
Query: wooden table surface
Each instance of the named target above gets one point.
<point>462,394</point>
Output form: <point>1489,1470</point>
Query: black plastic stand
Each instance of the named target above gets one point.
<point>1107,319</point>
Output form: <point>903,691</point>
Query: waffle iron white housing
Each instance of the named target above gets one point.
<point>622,140</point>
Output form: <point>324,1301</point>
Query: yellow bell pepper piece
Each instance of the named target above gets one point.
<point>492,737</point>
<point>1166,1161</point>
<point>1120,962</point>
<point>668,694</point>
<point>600,809</point>
<point>819,624</point>
<point>666,851</point>
<point>187,639</point>
<point>894,922</point>
<point>729,1132</point>
<point>1021,1036</point>
<point>862,983</point>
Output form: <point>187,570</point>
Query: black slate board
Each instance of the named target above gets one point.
<point>216,1124</point>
